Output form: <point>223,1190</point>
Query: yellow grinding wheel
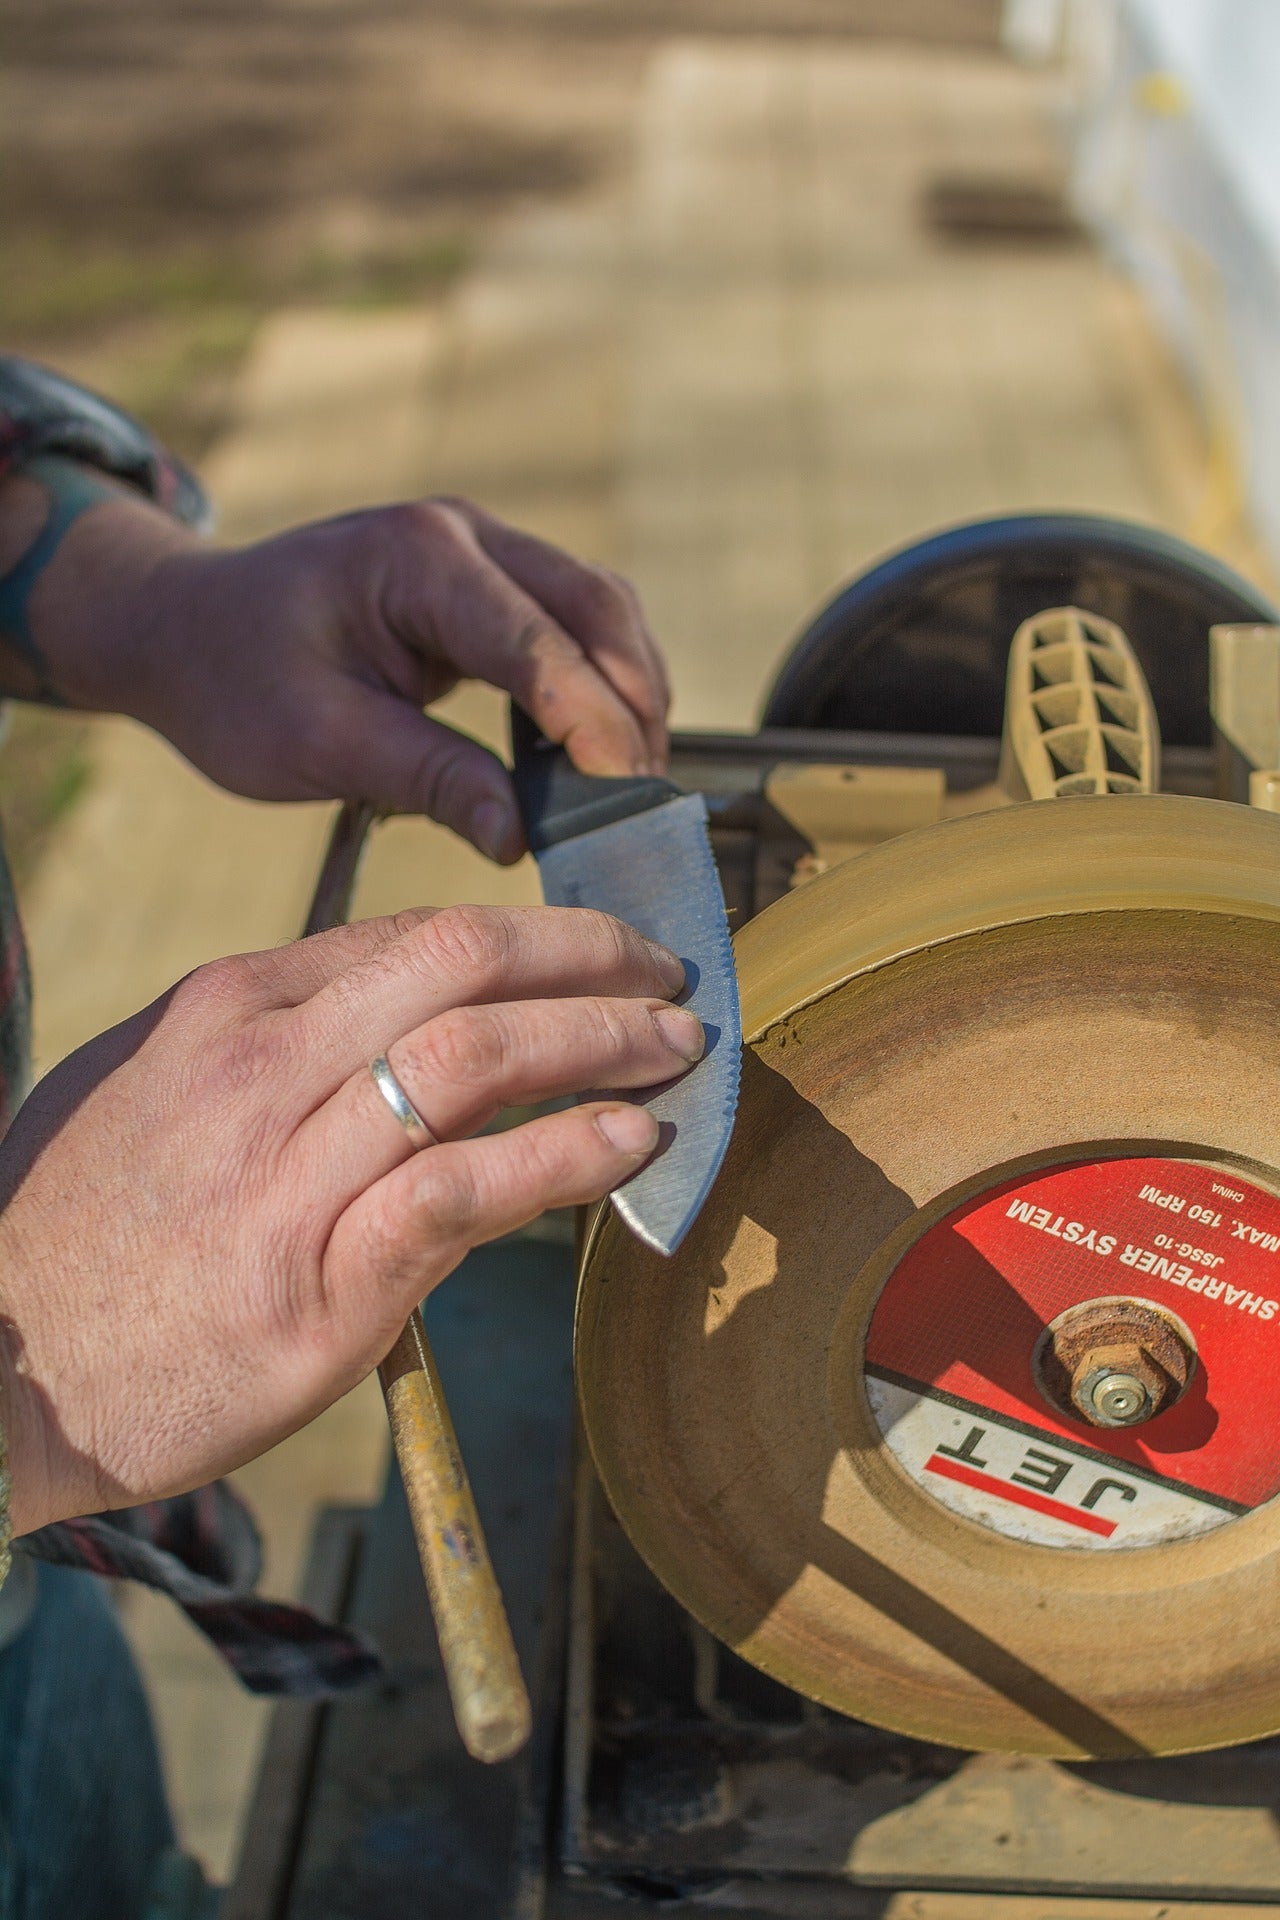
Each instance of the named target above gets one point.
<point>1007,1078</point>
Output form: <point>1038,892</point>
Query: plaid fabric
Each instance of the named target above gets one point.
<point>201,1548</point>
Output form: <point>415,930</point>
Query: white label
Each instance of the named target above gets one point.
<point>1029,1486</point>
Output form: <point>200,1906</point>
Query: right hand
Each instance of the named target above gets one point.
<point>212,1224</point>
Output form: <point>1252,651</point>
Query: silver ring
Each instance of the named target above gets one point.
<point>400,1103</point>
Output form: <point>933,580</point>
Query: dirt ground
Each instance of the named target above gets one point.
<point>170,166</point>
<point>172,170</point>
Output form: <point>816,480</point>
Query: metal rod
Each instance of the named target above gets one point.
<point>331,901</point>
<point>490,1700</point>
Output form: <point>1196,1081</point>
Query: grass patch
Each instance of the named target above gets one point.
<point>52,292</point>
<point>164,335</point>
<point>385,276</point>
<point>56,289</point>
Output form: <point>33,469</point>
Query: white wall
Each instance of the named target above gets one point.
<point>1227,53</point>
<point>1178,165</point>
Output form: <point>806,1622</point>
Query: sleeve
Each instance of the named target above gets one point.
<point>42,412</point>
<point>203,1550</point>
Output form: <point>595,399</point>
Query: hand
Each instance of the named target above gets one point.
<point>298,669</point>
<point>212,1225</point>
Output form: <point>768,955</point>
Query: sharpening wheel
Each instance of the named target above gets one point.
<point>1010,1081</point>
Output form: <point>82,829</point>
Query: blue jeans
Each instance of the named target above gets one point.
<point>83,1817</point>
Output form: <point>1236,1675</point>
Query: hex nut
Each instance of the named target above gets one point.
<point>1119,1340</point>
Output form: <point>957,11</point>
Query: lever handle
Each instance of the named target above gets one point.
<point>1078,715</point>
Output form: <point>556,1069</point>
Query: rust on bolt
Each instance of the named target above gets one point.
<point>1114,1363</point>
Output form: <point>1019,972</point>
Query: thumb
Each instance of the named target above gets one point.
<point>403,762</point>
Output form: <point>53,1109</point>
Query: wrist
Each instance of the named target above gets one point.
<point>92,612</point>
<point>32,1365</point>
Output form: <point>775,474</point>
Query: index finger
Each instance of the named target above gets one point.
<point>489,628</point>
<point>599,611</point>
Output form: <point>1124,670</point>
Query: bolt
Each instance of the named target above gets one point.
<point>1119,1384</point>
<point>1115,1399</point>
<point>1114,1362</point>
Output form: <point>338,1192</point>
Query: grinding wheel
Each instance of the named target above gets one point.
<point>997,1070</point>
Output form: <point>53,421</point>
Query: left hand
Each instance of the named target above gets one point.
<point>211,1226</point>
<point>297,669</point>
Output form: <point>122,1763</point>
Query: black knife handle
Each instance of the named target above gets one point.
<point>558,803</point>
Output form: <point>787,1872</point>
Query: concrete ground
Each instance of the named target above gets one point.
<point>739,372</point>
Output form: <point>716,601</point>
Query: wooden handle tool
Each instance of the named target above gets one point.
<point>490,1703</point>
<point>490,1700</point>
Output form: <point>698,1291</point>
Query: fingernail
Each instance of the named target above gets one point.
<point>682,1031</point>
<point>491,825</point>
<point>667,964</point>
<point>629,1129</point>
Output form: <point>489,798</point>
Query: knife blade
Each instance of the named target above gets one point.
<point>639,849</point>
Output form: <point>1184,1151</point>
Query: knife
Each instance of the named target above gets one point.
<point>639,849</point>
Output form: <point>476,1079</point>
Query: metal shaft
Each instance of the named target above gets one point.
<point>490,1700</point>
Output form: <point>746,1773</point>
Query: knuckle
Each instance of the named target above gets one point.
<point>436,521</point>
<point>221,987</point>
<point>375,947</point>
<point>458,510</point>
<point>407,951</point>
<point>614,1031</point>
<point>603,596</point>
<point>371,943</point>
<point>399,1264</point>
<point>625,590</point>
<point>446,1199</point>
<point>619,945</point>
<point>403,924</point>
<point>539,1161</point>
<point>465,1047</point>
<point>475,944</point>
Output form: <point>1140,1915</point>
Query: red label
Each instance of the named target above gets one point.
<point>964,1308</point>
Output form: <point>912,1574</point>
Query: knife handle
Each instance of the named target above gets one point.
<point>558,803</point>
